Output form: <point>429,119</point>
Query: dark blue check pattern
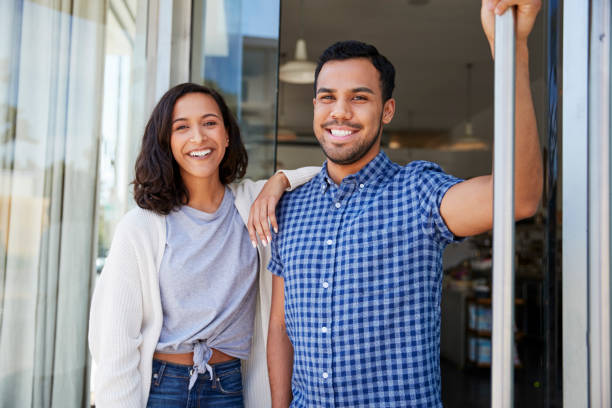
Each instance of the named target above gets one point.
<point>362,267</point>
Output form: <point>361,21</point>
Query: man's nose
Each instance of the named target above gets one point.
<point>342,110</point>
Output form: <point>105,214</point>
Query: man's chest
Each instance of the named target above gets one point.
<point>361,236</point>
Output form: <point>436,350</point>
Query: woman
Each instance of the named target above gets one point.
<point>174,309</point>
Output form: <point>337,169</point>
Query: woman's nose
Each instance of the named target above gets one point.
<point>197,135</point>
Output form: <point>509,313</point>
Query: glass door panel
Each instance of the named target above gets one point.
<point>444,97</point>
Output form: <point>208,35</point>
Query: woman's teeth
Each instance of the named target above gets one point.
<point>340,133</point>
<point>200,153</point>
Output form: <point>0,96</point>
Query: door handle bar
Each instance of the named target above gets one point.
<point>502,364</point>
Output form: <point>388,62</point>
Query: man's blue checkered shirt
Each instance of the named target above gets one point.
<point>362,266</point>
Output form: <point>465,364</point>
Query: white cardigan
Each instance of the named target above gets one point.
<point>126,313</point>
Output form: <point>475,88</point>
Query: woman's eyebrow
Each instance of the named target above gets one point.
<point>202,117</point>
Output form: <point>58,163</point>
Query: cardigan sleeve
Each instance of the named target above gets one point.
<point>115,326</point>
<point>247,190</point>
<point>299,177</point>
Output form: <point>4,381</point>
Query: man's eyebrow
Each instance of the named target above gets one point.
<point>203,116</point>
<point>325,90</point>
<point>363,89</point>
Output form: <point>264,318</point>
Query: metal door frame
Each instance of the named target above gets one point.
<point>586,204</point>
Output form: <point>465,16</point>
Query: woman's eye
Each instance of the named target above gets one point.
<point>181,127</point>
<point>209,124</point>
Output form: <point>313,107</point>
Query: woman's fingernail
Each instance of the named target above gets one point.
<point>275,230</point>
<point>263,241</point>
<point>254,244</point>
<point>269,239</point>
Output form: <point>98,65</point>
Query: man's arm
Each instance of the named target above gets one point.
<point>467,207</point>
<point>280,350</point>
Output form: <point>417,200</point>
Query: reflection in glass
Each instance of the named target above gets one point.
<point>51,62</point>
<point>234,50</point>
<point>123,115</point>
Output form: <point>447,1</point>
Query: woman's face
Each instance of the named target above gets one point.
<point>199,137</point>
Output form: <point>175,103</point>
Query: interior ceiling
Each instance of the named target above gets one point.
<point>429,45</point>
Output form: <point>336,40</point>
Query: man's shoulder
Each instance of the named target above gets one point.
<point>421,167</point>
<point>422,172</point>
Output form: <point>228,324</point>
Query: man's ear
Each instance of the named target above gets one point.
<point>314,101</point>
<point>388,111</point>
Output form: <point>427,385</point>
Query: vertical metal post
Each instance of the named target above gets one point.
<point>575,202</point>
<point>159,36</point>
<point>599,205</point>
<point>180,61</point>
<point>502,367</point>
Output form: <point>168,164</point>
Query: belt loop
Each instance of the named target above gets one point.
<point>157,376</point>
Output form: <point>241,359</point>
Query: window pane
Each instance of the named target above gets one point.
<point>51,71</point>
<point>123,113</point>
<point>72,80</point>
<point>234,50</point>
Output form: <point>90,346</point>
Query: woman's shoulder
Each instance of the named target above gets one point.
<point>140,222</point>
<point>246,189</point>
<point>247,185</point>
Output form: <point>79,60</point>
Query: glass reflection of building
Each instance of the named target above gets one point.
<point>77,80</point>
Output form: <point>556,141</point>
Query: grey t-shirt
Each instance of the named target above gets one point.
<point>207,282</point>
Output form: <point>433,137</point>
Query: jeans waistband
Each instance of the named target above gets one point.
<point>185,371</point>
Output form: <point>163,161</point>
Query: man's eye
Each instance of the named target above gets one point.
<point>326,97</point>
<point>360,98</point>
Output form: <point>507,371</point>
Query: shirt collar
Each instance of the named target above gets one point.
<point>377,167</point>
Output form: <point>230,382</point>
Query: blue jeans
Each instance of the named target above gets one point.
<point>170,386</point>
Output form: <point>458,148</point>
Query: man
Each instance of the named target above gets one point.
<point>357,263</point>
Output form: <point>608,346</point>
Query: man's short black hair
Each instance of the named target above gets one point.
<point>344,50</point>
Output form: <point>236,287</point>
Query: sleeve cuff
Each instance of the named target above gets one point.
<point>275,268</point>
<point>299,176</point>
<point>445,233</point>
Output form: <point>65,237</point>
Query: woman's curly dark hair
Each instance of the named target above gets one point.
<point>158,185</point>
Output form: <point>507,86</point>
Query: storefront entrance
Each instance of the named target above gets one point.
<point>78,80</point>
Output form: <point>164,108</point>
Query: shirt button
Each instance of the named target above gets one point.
<point>338,205</point>
<point>325,375</point>
<point>323,329</point>
<point>329,242</point>
<point>325,285</point>
<point>361,186</point>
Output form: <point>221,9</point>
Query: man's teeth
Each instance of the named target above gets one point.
<point>338,132</point>
<point>200,153</point>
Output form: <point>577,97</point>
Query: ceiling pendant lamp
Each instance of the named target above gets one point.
<point>299,70</point>
<point>468,142</point>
